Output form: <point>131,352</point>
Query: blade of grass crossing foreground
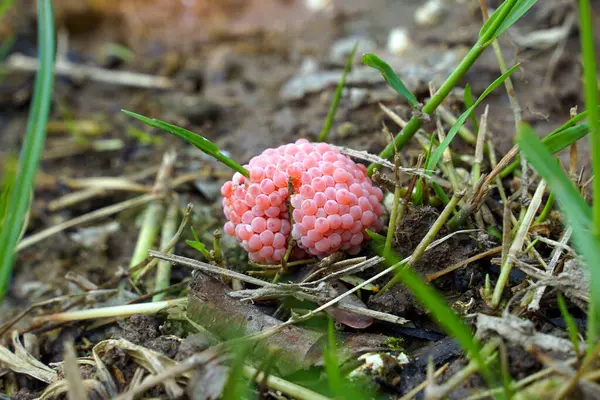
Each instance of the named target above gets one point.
<point>199,141</point>
<point>33,144</point>
<point>337,96</point>
<point>391,78</point>
<point>439,151</point>
<point>586,34</point>
<point>577,212</point>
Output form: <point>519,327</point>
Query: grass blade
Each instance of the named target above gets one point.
<point>336,97</point>
<point>577,212</point>
<point>517,11</point>
<point>199,141</point>
<point>32,146</point>
<point>390,77</point>
<point>590,88</point>
<point>468,100</point>
<point>439,151</point>
<point>569,321</point>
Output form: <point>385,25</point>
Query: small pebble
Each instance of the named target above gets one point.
<point>399,41</point>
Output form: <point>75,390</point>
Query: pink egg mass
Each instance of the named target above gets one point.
<point>333,202</point>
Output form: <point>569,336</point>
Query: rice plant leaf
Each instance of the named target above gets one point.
<point>569,321</point>
<point>390,77</point>
<point>517,11</point>
<point>439,151</point>
<point>33,145</point>
<point>199,141</point>
<point>337,96</point>
<point>577,212</point>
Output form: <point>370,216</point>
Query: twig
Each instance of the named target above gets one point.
<point>534,305</point>
<point>92,216</point>
<point>205,267</point>
<point>460,264</point>
<point>476,170</point>
<point>19,62</point>
<point>107,184</point>
<point>517,244</point>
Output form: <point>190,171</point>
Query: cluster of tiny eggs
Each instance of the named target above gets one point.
<point>332,202</point>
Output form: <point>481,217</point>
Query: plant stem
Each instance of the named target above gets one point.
<point>476,170</point>
<point>163,271</point>
<point>393,219</point>
<point>337,96</point>
<point>112,312</point>
<point>154,215</point>
<point>517,244</point>
<point>591,101</point>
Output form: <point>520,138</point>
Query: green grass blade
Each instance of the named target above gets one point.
<point>590,88</point>
<point>439,151</point>
<point>390,77</point>
<point>199,141</point>
<point>337,96</point>
<point>236,384</point>
<point>7,183</point>
<point>32,146</point>
<point>569,321</point>
<point>517,11</point>
<point>577,212</point>
<point>468,100</point>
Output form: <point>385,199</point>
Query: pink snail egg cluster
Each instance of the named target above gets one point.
<point>333,202</point>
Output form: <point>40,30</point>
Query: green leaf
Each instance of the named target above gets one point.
<point>569,321</point>
<point>557,140</point>
<point>516,12</point>
<point>390,77</point>
<point>577,212</point>
<point>198,245</point>
<point>337,96</point>
<point>199,141</point>
<point>439,151</point>
<point>33,145</point>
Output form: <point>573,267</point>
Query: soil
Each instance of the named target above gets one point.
<point>229,63</point>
